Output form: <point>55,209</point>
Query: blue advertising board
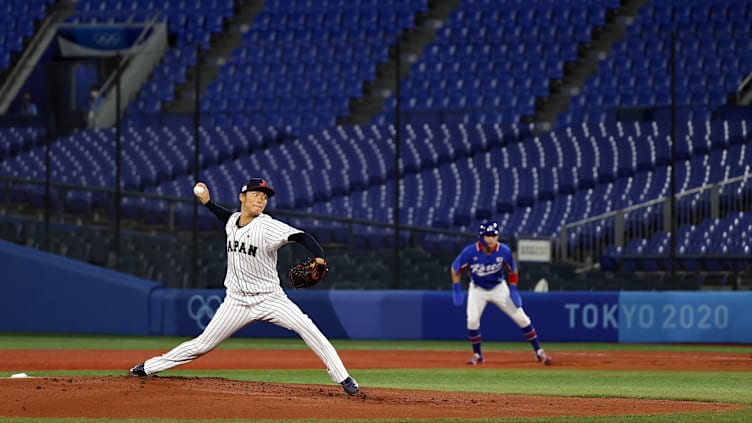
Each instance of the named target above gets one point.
<point>47,293</point>
<point>685,317</point>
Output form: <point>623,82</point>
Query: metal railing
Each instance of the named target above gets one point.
<point>581,242</point>
<point>23,200</point>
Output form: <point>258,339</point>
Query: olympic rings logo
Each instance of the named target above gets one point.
<point>107,39</point>
<point>202,309</point>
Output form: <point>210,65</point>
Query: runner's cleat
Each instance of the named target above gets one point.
<point>477,359</point>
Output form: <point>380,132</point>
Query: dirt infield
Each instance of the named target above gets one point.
<point>204,398</point>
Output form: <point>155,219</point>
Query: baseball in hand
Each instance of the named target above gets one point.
<point>199,190</point>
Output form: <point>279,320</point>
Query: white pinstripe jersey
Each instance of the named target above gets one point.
<point>252,253</point>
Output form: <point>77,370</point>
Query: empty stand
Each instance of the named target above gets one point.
<point>711,49</point>
<point>491,60</point>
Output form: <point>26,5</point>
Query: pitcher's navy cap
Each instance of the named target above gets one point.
<point>258,184</point>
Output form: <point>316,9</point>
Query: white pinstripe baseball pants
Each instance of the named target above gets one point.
<point>237,311</point>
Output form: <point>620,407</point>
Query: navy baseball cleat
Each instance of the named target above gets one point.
<point>350,386</point>
<point>541,355</point>
<point>137,370</point>
<point>477,359</point>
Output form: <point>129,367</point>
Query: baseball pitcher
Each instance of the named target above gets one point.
<point>253,289</point>
<point>493,278</point>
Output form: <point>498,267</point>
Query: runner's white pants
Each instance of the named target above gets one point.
<point>478,298</point>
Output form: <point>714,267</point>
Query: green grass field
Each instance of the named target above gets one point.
<point>726,386</point>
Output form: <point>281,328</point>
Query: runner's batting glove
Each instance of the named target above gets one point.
<point>458,297</point>
<point>515,296</point>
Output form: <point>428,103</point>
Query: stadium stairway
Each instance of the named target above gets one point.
<point>21,21</point>
<point>586,65</point>
<point>210,60</point>
<point>412,43</point>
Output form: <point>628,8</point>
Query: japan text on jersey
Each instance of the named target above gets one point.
<point>240,247</point>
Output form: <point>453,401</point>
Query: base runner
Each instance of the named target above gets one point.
<point>493,279</point>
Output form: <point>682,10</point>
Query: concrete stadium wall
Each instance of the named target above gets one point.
<point>47,293</point>
<point>41,292</point>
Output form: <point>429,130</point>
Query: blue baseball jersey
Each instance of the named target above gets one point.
<point>486,270</point>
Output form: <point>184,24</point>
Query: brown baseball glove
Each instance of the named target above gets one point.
<point>306,273</point>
